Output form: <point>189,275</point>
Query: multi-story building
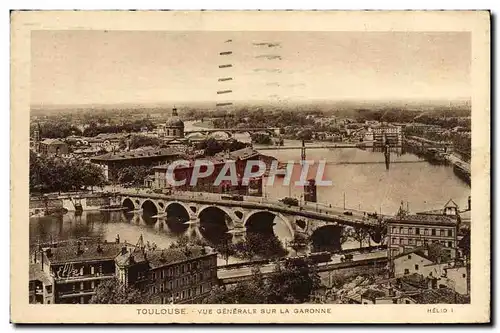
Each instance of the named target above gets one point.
<point>392,135</point>
<point>52,147</point>
<point>406,232</point>
<point>178,275</point>
<point>208,183</point>
<point>71,273</point>
<point>113,162</point>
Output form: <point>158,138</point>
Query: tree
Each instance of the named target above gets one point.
<point>261,138</point>
<point>113,292</point>
<point>138,140</point>
<point>134,175</point>
<point>292,282</point>
<point>360,235</point>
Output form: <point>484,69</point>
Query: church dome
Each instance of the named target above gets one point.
<point>174,120</point>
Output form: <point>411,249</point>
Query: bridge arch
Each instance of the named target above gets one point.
<point>249,219</point>
<point>224,210</point>
<point>327,237</point>
<point>170,205</point>
<point>129,204</point>
<point>150,207</point>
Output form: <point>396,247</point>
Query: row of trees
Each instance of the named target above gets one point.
<point>212,146</point>
<point>52,174</point>
<point>134,175</point>
<point>128,127</point>
<point>55,129</point>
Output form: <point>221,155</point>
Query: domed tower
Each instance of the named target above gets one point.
<point>174,128</point>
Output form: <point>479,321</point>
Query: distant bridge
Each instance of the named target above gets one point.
<point>238,216</point>
<point>230,131</point>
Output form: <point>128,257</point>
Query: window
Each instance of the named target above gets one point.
<point>409,256</point>
<point>400,230</point>
<point>450,233</point>
<point>417,231</point>
<point>463,275</point>
<point>426,232</point>
<point>407,301</point>
<point>419,243</point>
<point>410,231</point>
<point>394,230</point>
<point>443,233</point>
<point>394,240</point>
<point>162,273</point>
<point>450,244</point>
<point>161,287</point>
<point>153,276</point>
<point>433,232</point>
<point>170,284</point>
<point>407,271</point>
<point>416,267</point>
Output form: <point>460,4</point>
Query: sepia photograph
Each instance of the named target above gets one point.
<point>192,170</point>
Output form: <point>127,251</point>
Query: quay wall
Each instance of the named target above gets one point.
<point>89,201</point>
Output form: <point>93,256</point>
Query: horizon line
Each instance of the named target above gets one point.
<point>301,101</point>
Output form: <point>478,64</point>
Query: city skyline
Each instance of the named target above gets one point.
<point>98,67</point>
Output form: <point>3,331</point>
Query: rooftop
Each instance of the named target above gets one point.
<point>69,253</point>
<point>52,142</point>
<point>244,153</point>
<point>440,296</point>
<point>132,256</point>
<point>117,156</point>
<point>159,258</point>
<point>36,273</point>
<point>424,219</point>
<point>373,294</point>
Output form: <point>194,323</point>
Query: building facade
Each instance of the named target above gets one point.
<point>406,232</point>
<point>52,147</point>
<point>113,162</point>
<point>174,275</point>
<point>208,183</point>
<point>71,274</point>
<point>391,135</point>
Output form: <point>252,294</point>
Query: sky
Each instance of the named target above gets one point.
<point>114,67</point>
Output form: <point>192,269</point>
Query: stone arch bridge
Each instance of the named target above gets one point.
<point>242,215</point>
<point>229,132</point>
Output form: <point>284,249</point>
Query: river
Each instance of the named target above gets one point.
<point>359,179</point>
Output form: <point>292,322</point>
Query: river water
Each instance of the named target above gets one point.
<point>359,181</point>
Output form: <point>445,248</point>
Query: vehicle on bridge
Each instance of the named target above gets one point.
<point>348,213</point>
<point>232,197</point>
<point>290,201</point>
<point>346,258</point>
